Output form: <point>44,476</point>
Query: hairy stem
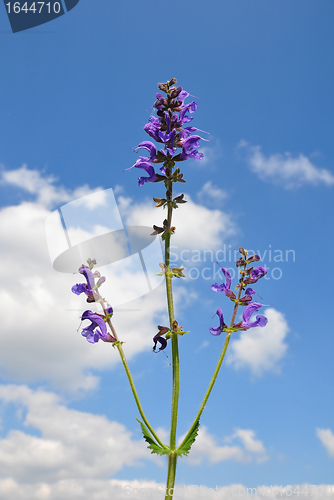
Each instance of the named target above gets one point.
<point>131,382</point>
<point>216,371</point>
<point>172,458</point>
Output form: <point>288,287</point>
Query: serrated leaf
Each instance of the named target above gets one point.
<point>155,447</point>
<point>184,450</point>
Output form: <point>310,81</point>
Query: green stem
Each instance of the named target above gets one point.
<point>135,395</point>
<point>215,373</point>
<point>172,461</point>
<point>172,457</point>
<point>209,389</point>
<point>131,382</point>
<point>174,335</point>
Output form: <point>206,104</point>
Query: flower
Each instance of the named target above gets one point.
<point>256,274</point>
<point>224,288</point>
<point>217,330</point>
<point>155,157</point>
<point>167,128</point>
<point>97,329</point>
<point>145,165</point>
<point>188,150</point>
<point>248,311</point>
<point>157,338</point>
<point>88,287</point>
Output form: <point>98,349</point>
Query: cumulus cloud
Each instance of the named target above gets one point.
<point>212,194</point>
<point>285,170</point>
<point>197,227</point>
<point>71,444</point>
<point>47,336</point>
<point>93,489</point>
<point>206,447</point>
<point>326,436</point>
<point>261,349</point>
<point>43,187</point>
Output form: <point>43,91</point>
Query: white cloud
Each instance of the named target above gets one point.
<point>246,436</point>
<point>285,170</point>
<point>41,315</point>
<point>197,227</point>
<point>93,489</point>
<point>212,194</point>
<point>46,337</point>
<point>261,349</point>
<point>326,436</point>
<point>206,448</point>
<point>47,194</point>
<point>71,444</point>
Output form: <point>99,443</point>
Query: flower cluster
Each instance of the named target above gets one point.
<point>97,330</point>
<point>249,275</point>
<point>167,128</point>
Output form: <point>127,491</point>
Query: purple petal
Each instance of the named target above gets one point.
<point>248,311</point>
<point>215,330</point>
<point>257,273</point>
<point>150,147</point>
<point>219,329</point>
<point>219,312</point>
<point>89,275</point>
<point>149,169</point>
<point>79,288</point>
<point>161,341</point>
<point>183,95</point>
<point>217,288</point>
<point>227,276</point>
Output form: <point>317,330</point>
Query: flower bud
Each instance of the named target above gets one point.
<point>253,258</point>
<point>172,82</point>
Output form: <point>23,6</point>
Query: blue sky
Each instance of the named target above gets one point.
<point>75,95</point>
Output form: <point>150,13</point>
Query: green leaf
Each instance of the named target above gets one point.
<point>184,450</point>
<point>153,445</point>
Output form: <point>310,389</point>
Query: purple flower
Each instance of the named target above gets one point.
<point>217,330</point>
<point>248,311</point>
<point>182,96</point>
<point>155,156</point>
<point>188,150</point>
<point>153,127</point>
<point>184,118</point>
<point>224,288</point>
<point>83,287</point>
<point>167,128</point>
<point>161,340</point>
<point>97,329</point>
<point>158,338</point>
<point>150,147</point>
<point>257,273</point>
<point>145,165</point>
